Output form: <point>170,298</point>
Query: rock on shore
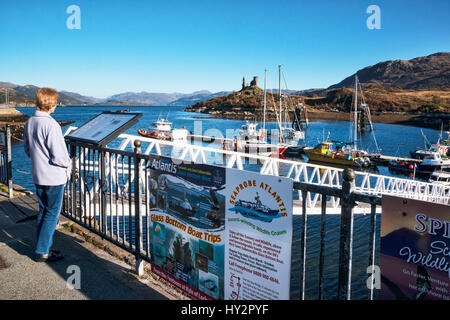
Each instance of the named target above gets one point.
<point>16,120</point>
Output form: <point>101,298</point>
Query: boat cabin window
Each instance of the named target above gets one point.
<point>434,156</point>
<point>438,178</point>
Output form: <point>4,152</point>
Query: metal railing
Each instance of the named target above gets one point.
<point>109,193</point>
<point>365,182</point>
<point>5,160</point>
<point>349,198</point>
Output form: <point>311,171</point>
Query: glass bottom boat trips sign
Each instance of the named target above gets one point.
<point>188,222</point>
<point>220,233</point>
<point>258,236</point>
<point>415,250</point>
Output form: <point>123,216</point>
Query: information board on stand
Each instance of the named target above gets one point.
<point>104,127</point>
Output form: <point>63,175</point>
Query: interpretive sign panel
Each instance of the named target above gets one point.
<point>258,236</point>
<point>415,250</point>
<point>104,128</point>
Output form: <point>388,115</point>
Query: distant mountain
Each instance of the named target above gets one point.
<point>81,98</point>
<point>26,95</point>
<point>7,85</point>
<point>148,98</point>
<point>197,97</point>
<point>428,72</point>
<point>166,99</point>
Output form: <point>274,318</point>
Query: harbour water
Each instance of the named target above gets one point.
<point>395,140</point>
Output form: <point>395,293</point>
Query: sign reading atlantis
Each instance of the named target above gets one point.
<point>220,233</point>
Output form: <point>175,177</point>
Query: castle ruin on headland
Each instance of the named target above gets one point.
<point>253,83</point>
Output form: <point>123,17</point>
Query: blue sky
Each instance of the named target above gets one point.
<point>185,46</point>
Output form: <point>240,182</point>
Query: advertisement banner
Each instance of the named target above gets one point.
<point>258,236</point>
<point>415,250</point>
<point>187,210</point>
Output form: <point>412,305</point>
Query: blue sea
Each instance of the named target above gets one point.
<point>395,140</point>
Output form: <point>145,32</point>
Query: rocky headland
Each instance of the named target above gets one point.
<point>410,92</point>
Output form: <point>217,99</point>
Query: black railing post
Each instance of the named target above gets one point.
<point>9,162</point>
<point>103,183</point>
<point>137,210</point>
<point>73,186</point>
<point>346,236</point>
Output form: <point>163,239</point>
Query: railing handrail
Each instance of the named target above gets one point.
<point>382,185</point>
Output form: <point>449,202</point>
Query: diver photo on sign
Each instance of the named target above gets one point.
<point>187,209</point>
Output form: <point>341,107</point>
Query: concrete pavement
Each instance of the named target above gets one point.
<point>102,276</point>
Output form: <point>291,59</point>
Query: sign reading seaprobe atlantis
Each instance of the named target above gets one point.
<point>415,250</point>
<point>258,236</point>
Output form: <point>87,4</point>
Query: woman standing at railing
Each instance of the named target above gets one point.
<point>50,162</point>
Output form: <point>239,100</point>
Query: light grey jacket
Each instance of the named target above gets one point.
<point>44,144</point>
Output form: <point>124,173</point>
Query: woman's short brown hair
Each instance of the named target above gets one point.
<point>46,98</point>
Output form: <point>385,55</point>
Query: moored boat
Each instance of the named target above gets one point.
<point>346,154</point>
<point>327,152</point>
<point>162,130</point>
<point>402,166</point>
<point>254,146</point>
<point>433,161</point>
<point>442,149</point>
<point>249,131</point>
<point>441,178</point>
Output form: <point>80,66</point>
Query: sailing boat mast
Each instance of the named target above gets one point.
<point>6,97</point>
<point>356,113</point>
<point>279,94</point>
<point>265,101</point>
<point>366,108</point>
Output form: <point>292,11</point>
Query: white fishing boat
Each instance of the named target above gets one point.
<point>433,162</point>
<point>254,140</point>
<point>290,134</point>
<point>442,148</point>
<point>440,177</point>
<point>249,131</point>
<point>288,137</point>
<point>180,134</point>
<point>162,129</point>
